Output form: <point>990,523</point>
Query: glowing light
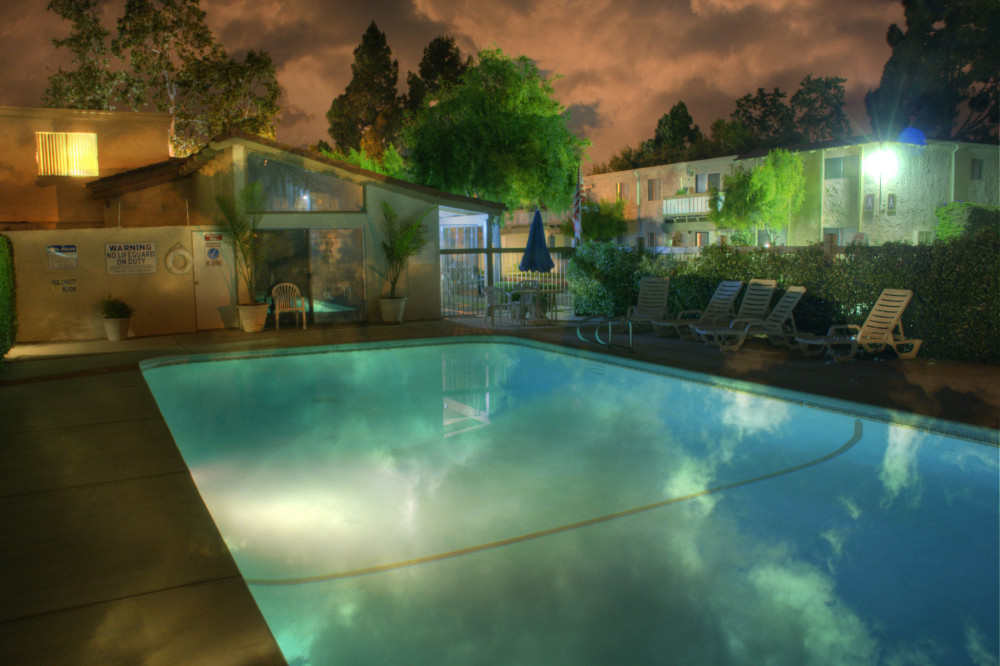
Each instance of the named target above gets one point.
<point>882,163</point>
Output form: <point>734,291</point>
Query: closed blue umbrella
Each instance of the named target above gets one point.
<point>536,253</point>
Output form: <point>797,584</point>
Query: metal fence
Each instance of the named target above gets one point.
<point>466,273</point>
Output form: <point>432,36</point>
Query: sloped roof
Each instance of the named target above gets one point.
<point>176,168</point>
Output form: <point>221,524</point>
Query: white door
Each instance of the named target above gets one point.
<point>214,280</point>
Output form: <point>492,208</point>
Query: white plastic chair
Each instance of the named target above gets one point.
<point>286,298</point>
<point>498,302</point>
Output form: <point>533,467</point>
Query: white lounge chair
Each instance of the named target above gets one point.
<point>651,305</point>
<point>779,326</point>
<point>498,302</point>
<point>882,328</point>
<point>718,311</point>
<point>286,298</point>
<point>756,301</point>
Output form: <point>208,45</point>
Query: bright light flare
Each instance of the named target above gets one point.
<point>882,163</point>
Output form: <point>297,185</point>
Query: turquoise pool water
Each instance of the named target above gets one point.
<point>492,502</point>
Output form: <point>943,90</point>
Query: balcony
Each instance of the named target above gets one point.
<point>686,204</point>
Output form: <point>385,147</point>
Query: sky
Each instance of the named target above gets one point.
<point>620,65</point>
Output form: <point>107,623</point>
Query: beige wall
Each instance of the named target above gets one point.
<point>125,140</point>
<point>62,304</point>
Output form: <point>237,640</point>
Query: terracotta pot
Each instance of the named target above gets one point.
<point>392,310</point>
<point>117,329</point>
<point>252,317</point>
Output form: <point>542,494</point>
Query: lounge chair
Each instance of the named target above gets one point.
<point>754,306</point>
<point>498,302</point>
<point>882,328</point>
<point>286,298</point>
<point>651,304</point>
<point>718,311</point>
<point>779,326</point>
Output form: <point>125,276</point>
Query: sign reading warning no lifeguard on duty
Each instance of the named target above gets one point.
<point>130,258</point>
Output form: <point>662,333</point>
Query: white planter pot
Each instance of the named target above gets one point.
<point>392,310</point>
<point>252,317</point>
<point>116,329</point>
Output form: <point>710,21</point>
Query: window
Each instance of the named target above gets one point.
<point>288,187</point>
<point>833,167</point>
<point>701,182</point>
<point>714,181</point>
<point>653,189</point>
<point>701,238</point>
<point>651,239</point>
<point>977,169</point>
<point>66,153</point>
<point>622,191</point>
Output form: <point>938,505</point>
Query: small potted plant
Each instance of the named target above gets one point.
<point>241,220</point>
<point>117,316</point>
<point>403,240</point>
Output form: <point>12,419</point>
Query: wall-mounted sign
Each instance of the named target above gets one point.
<point>869,203</point>
<point>130,258</point>
<point>890,202</point>
<point>213,249</point>
<point>63,285</point>
<point>61,257</point>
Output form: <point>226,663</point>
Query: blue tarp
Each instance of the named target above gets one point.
<point>536,253</point>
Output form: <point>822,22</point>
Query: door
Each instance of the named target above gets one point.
<point>214,281</point>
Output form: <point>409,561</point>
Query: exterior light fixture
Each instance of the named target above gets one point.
<point>882,163</point>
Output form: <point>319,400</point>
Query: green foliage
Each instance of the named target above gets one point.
<point>391,163</point>
<point>442,65</point>
<point>819,109</point>
<point>403,240</point>
<point>958,217</point>
<point>368,114</point>
<point>165,59</point>
<point>112,307</point>
<point>942,74</point>
<point>779,187</point>
<point>955,309</point>
<point>601,221</point>
<point>497,134</point>
<point>604,278</point>
<point>241,220</point>
<point>739,207</point>
<point>8,300</point>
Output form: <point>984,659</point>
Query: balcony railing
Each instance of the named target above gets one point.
<point>688,204</point>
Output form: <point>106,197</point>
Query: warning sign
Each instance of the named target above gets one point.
<point>130,258</point>
<point>213,249</point>
<point>61,257</point>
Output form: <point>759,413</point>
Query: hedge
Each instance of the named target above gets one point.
<point>955,308</point>
<point>8,304</point>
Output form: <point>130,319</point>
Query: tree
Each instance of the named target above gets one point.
<point>818,107</point>
<point>767,117</point>
<point>497,134</point>
<point>92,85</point>
<point>601,221</point>
<point>442,65</point>
<point>767,196</point>
<point>942,76</point>
<point>676,130</point>
<point>368,114</point>
<point>166,60</point>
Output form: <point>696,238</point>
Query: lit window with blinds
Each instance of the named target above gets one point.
<point>66,153</point>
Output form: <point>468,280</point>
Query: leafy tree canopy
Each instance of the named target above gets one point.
<point>442,65</point>
<point>767,196</point>
<point>369,113</point>
<point>601,221</point>
<point>391,163</point>
<point>942,76</point>
<point>497,134</point>
<point>165,59</point>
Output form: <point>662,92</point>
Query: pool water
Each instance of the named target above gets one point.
<point>506,502</point>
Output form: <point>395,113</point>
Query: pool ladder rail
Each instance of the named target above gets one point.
<point>610,321</point>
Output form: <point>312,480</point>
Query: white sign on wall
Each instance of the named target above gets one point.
<point>130,258</point>
<point>61,257</point>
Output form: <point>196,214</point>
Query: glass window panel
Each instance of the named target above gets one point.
<point>288,187</point>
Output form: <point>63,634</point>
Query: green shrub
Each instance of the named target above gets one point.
<point>8,303</point>
<point>959,218</point>
<point>604,278</point>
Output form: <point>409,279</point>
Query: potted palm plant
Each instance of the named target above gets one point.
<point>241,219</point>
<point>117,316</point>
<point>403,240</point>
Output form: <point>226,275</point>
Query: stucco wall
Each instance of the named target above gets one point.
<point>61,304</point>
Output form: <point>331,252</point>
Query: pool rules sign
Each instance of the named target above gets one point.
<point>130,258</point>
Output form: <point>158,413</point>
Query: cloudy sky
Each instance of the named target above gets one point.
<point>622,64</point>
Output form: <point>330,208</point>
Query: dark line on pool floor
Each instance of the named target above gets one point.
<point>354,573</point>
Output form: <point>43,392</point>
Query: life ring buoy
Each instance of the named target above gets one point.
<point>178,260</point>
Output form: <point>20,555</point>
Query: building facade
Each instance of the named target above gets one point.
<point>873,192</point>
<point>95,205</point>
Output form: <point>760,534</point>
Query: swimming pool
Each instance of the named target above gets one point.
<point>500,502</point>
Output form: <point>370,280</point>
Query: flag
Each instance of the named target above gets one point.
<point>577,204</point>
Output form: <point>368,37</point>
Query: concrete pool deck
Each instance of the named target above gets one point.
<point>110,556</point>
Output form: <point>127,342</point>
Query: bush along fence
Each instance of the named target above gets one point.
<point>955,309</point>
<point>8,305</point>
